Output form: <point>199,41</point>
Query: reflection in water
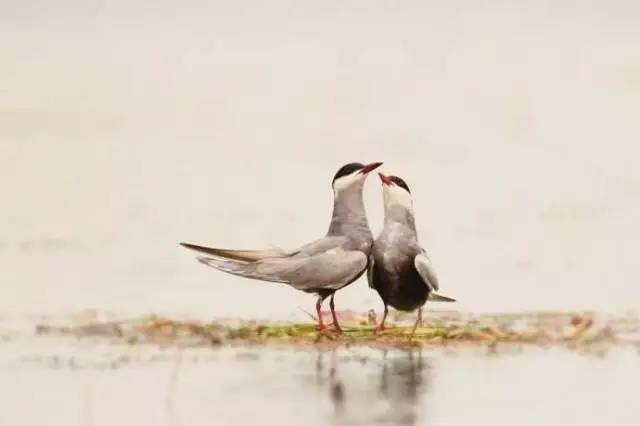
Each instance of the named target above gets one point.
<point>403,381</point>
<point>393,394</point>
<point>346,387</point>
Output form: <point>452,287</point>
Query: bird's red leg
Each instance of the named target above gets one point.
<point>336,325</point>
<point>418,321</point>
<point>320,325</point>
<point>380,326</point>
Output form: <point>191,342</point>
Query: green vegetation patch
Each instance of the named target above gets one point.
<point>438,329</point>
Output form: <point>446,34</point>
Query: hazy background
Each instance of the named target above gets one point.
<point>127,126</point>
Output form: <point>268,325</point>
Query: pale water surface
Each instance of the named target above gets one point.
<point>84,383</point>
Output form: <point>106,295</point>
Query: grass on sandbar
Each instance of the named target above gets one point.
<point>438,329</point>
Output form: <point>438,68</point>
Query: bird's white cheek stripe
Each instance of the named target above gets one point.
<point>395,195</point>
<point>346,181</point>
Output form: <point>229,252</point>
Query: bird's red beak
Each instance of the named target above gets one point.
<point>369,167</point>
<point>385,179</point>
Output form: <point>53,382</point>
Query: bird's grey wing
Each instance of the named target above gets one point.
<point>321,246</point>
<point>433,297</point>
<point>328,270</point>
<point>332,269</point>
<point>425,269</point>
<point>241,269</point>
<point>239,255</point>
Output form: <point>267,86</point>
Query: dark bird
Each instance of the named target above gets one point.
<point>322,266</point>
<point>399,268</point>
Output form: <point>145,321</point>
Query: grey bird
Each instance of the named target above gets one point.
<point>322,266</point>
<point>399,268</point>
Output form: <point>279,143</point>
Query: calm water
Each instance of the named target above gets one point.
<point>61,383</point>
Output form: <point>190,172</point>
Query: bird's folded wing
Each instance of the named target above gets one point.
<point>241,269</point>
<point>321,245</point>
<point>329,270</point>
<point>332,269</point>
<point>239,255</point>
<point>425,269</point>
<point>434,297</point>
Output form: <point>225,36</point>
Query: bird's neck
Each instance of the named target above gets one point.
<point>395,214</point>
<point>349,214</point>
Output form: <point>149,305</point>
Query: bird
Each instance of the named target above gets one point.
<point>399,268</point>
<point>322,266</point>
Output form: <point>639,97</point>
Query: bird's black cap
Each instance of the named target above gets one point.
<point>400,183</point>
<point>348,169</point>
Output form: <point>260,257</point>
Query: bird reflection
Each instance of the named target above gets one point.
<point>388,389</point>
<point>331,380</point>
<point>402,382</point>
